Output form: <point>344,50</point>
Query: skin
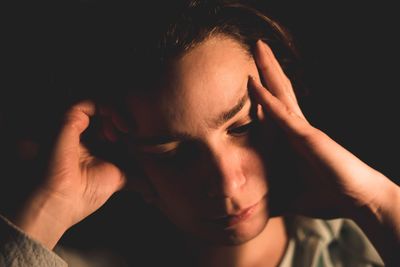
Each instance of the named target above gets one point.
<point>211,168</point>
<point>228,173</point>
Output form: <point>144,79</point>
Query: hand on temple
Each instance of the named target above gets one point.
<point>75,185</point>
<point>337,183</point>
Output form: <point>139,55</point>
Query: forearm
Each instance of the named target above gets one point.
<point>381,222</point>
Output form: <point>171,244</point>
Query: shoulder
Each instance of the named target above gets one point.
<point>317,242</point>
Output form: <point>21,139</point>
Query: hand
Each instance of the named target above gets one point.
<point>336,183</point>
<point>76,183</point>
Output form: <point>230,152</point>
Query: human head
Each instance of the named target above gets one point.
<point>175,88</point>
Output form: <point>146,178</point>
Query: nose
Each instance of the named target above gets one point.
<point>227,177</point>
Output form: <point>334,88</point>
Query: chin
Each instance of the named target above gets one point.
<point>237,234</point>
<point>243,233</point>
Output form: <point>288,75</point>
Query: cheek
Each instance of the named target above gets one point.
<point>169,183</point>
<point>176,198</point>
<point>263,140</point>
<point>254,166</point>
<point>257,156</point>
<point>252,162</point>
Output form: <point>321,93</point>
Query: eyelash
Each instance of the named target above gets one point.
<point>162,155</point>
<point>241,130</point>
<point>237,132</point>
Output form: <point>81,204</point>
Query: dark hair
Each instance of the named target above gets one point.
<point>138,41</point>
<point>134,51</point>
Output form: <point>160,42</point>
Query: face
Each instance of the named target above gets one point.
<point>200,145</point>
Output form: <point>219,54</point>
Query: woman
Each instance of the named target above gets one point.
<point>212,134</point>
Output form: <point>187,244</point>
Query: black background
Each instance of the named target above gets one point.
<point>351,58</point>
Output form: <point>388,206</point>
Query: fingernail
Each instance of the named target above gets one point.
<point>258,46</point>
<point>252,85</point>
<point>253,80</point>
<point>261,44</point>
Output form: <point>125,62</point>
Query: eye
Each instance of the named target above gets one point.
<point>181,152</point>
<point>162,155</point>
<point>241,130</point>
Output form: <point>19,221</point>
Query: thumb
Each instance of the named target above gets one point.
<point>76,121</point>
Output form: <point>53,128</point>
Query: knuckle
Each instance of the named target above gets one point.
<point>291,113</point>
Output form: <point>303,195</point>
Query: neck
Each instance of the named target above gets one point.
<point>267,249</point>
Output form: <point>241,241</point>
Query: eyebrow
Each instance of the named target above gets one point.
<point>229,114</point>
<point>160,140</point>
<point>221,119</point>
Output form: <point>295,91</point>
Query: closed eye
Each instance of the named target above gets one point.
<point>160,151</point>
<point>176,151</point>
<point>241,130</point>
<point>162,155</point>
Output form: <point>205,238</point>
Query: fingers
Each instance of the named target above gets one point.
<point>76,121</point>
<point>274,77</point>
<point>289,120</point>
<point>107,129</point>
<point>112,124</point>
<point>77,118</point>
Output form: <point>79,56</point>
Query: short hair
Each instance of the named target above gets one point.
<point>130,47</point>
<point>136,42</point>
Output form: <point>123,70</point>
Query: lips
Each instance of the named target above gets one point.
<point>231,220</point>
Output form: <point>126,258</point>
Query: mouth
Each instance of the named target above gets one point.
<point>231,220</point>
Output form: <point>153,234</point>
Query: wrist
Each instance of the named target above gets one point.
<point>386,195</point>
<point>44,218</point>
<point>380,220</point>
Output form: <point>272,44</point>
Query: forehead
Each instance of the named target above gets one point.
<point>206,81</point>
